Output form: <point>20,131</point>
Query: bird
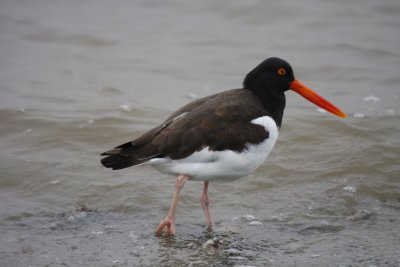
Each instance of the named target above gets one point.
<point>221,137</point>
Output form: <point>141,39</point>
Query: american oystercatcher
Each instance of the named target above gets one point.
<point>222,137</point>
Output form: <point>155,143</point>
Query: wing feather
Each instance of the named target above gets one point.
<point>221,121</point>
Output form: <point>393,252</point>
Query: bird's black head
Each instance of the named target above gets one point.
<point>272,76</point>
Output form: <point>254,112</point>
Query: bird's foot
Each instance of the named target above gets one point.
<point>167,226</point>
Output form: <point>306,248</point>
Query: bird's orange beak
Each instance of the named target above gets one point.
<point>315,98</point>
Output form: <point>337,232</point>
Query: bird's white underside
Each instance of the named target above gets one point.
<point>206,165</point>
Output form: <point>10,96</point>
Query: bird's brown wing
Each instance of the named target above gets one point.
<point>219,122</point>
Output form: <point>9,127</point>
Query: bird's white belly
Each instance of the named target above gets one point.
<point>206,165</point>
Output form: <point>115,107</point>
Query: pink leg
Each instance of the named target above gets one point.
<point>205,204</point>
<point>169,221</point>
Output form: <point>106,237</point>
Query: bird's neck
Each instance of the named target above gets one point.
<point>273,103</point>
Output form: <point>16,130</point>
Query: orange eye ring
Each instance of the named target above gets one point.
<point>281,71</point>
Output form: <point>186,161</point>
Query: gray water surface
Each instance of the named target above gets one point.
<point>80,77</point>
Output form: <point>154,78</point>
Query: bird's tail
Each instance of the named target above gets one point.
<point>127,155</point>
<point>117,162</point>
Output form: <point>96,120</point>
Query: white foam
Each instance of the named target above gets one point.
<point>371,98</point>
<point>255,223</point>
<point>249,217</point>
<point>133,236</point>
<point>192,96</point>
<point>97,232</point>
<point>350,189</point>
<point>315,256</point>
<point>125,107</point>
<point>358,115</point>
<point>232,251</point>
<point>390,111</point>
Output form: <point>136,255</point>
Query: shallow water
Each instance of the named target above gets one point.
<point>78,78</point>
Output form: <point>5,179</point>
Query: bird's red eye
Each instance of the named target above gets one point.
<point>282,71</point>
